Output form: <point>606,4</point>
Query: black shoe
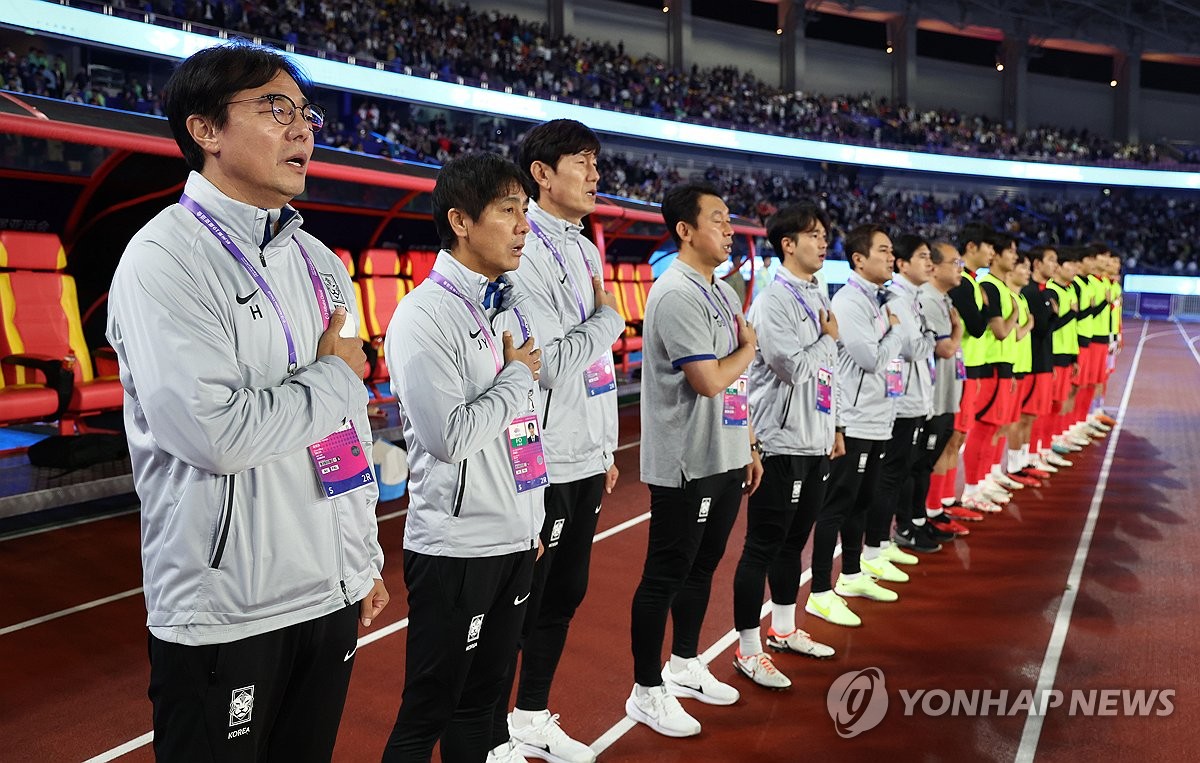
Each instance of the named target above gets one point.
<point>916,539</point>
<point>934,533</point>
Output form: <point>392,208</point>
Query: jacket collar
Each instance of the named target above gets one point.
<point>871,289</point>
<point>692,274</point>
<point>245,224</point>
<point>556,229</point>
<point>795,280</point>
<point>902,286</point>
<point>473,284</point>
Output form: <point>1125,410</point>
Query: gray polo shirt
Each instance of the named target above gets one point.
<point>684,436</point>
<point>947,391</point>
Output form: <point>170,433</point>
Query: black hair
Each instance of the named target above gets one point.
<point>207,80</point>
<point>794,220</point>
<point>935,251</point>
<point>1023,255</point>
<point>681,203</point>
<point>858,241</point>
<point>973,233</point>
<point>469,183</point>
<point>1068,254</point>
<point>550,141</point>
<point>1038,253</point>
<point>1099,248</point>
<point>904,247</point>
<point>1001,241</point>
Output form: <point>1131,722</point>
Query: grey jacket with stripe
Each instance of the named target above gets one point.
<point>237,536</point>
<point>866,344</point>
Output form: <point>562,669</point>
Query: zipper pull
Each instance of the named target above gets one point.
<point>262,257</point>
<point>532,409</point>
<point>345,593</point>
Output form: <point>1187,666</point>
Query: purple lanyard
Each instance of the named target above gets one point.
<point>732,322</point>
<point>874,303</point>
<point>796,293</point>
<point>202,215</point>
<point>562,261</point>
<point>914,306</point>
<point>484,329</point>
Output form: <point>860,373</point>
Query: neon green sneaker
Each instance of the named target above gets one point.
<point>865,587</point>
<point>831,608</point>
<point>896,555</point>
<point>882,569</point>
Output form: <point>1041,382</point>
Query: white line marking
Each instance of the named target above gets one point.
<point>393,515</point>
<point>1062,621</point>
<point>626,724</point>
<point>75,523</point>
<point>69,611</point>
<point>1191,343</point>
<point>629,445</point>
<point>129,746</point>
<point>628,523</point>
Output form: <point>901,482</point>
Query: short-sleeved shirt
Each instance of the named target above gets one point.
<point>947,390</point>
<point>688,318</point>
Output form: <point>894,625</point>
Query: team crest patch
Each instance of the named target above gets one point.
<point>473,632</point>
<point>797,486</point>
<point>705,504</point>
<point>862,462</point>
<point>556,531</point>
<point>332,288</point>
<point>241,705</point>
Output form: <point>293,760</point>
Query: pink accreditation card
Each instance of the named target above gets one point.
<point>894,376</point>
<point>341,464</point>
<point>960,368</point>
<point>736,411</point>
<point>525,451</point>
<point>599,377</point>
<point>824,390</point>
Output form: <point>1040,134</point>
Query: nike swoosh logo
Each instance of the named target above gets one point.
<point>564,278</point>
<point>825,478</point>
<point>520,600</point>
<point>350,654</point>
<point>475,333</point>
<point>243,300</point>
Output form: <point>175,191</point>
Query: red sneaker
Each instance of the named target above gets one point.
<point>1037,474</point>
<point>948,525</point>
<point>963,514</point>
<point>1106,420</point>
<point>1024,480</point>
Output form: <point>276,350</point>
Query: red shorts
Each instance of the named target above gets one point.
<point>1062,384</point>
<point>997,401</point>
<point>965,418</point>
<point>1092,360</point>
<point>1036,394</point>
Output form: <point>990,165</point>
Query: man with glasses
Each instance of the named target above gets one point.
<point>248,429</point>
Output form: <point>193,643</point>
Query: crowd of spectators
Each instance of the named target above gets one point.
<point>490,47</point>
<point>40,73</point>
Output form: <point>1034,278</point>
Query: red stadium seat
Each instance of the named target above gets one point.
<point>385,276</point>
<point>632,304</point>
<point>42,335</point>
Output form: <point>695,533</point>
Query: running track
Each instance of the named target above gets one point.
<point>1083,584</point>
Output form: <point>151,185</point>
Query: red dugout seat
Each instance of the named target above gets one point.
<point>386,277</point>
<point>42,335</point>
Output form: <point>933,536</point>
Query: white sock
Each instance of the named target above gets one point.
<point>642,691</point>
<point>970,491</point>
<point>851,576</point>
<point>678,664</point>
<point>783,618</point>
<point>525,718</point>
<point>749,642</point>
<point>931,513</point>
<point>1015,462</point>
<point>1026,460</point>
<point>871,552</point>
<point>920,521</point>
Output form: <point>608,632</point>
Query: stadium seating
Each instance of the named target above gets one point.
<point>631,300</point>
<point>386,277</point>
<point>41,340</point>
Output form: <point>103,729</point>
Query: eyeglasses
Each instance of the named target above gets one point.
<point>284,110</point>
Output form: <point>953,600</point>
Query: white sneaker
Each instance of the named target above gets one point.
<point>659,710</point>
<point>798,642</point>
<point>1004,481</point>
<point>1040,464</point>
<point>1067,442</point>
<point>994,493</point>
<point>505,753</point>
<point>979,503</point>
<point>1053,459</point>
<point>759,669</point>
<point>697,682</point>
<point>545,739</point>
<point>1096,423</point>
<point>882,569</point>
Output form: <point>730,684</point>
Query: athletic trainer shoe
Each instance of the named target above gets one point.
<point>964,514</point>
<point>1005,481</point>
<point>864,586</point>
<point>914,538</point>
<point>994,493</point>
<point>659,710</point>
<point>896,555</point>
<point>1023,479</point>
<point>947,525</point>
<point>545,739</point>
<point>1105,419</point>
<point>1053,459</point>
<point>1035,471</point>
<point>697,682</point>
<point>798,642</point>
<point>831,608</point>
<point>1040,465</point>
<point>759,669</point>
<point>883,570</point>
<point>505,753</point>
<point>1061,447</point>
<point>979,503</point>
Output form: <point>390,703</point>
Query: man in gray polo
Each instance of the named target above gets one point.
<point>697,456</point>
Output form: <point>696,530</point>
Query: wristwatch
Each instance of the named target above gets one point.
<point>756,447</point>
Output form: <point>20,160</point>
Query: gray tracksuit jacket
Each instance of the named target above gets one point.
<point>783,375</point>
<point>917,350</point>
<point>456,408</point>
<point>237,536</point>
<point>580,429</point>
<point>867,343</point>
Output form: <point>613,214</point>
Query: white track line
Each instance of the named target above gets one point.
<point>69,611</point>
<point>1062,621</point>
<point>626,724</point>
<point>128,747</point>
<point>1191,342</point>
